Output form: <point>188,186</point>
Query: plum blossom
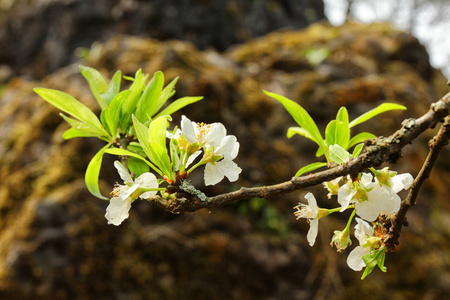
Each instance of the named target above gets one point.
<point>309,211</point>
<point>363,231</point>
<point>220,153</point>
<point>379,200</point>
<point>219,150</point>
<point>355,190</point>
<point>391,180</point>
<point>370,198</point>
<point>198,134</point>
<point>354,260</point>
<point>124,195</point>
<point>332,186</point>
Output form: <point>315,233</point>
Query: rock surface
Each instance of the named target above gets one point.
<point>54,240</point>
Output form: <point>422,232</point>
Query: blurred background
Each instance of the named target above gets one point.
<point>54,240</point>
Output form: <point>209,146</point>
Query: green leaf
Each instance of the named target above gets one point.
<point>153,143</point>
<point>136,148</point>
<point>310,168</point>
<point>82,127</point>
<point>73,133</point>
<point>373,259</point>
<point>97,84</point>
<point>300,116</point>
<point>157,131</point>
<point>129,104</point>
<point>174,157</point>
<point>357,150</point>
<point>137,166</point>
<point>337,132</point>
<point>117,151</point>
<point>166,93</point>
<point>319,152</point>
<point>178,104</point>
<point>113,113</point>
<point>338,154</point>
<point>342,115</point>
<point>161,159</point>
<point>150,97</point>
<point>104,121</point>
<point>113,88</point>
<point>68,104</point>
<point>93,172</point>
<point>142,135</point>
<point>360,138</point>
<point>71,106</point>
<point>376,111</point>
<point>300,131</point>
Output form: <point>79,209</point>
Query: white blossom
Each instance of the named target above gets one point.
<point>221,151</point>
<point>369,197</point>
<point>310,212</point>
<point>200,133</point>
<point>332,186</point>
<point>390,179</point>
<point>379,200</point>
<point>120,204</point>
<point>353,190</point>
<point>355,258</point>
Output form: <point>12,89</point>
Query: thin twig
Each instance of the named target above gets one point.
<point>394,225</point>
<point>377,151</point>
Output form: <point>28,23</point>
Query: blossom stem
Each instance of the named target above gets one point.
<point>152,189</point>
<point>350,219</point>
<point>202,162</point>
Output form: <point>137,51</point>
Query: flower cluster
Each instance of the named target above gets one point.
<point>369,196</point>
<point>219,150</point>
<point>187,143</point>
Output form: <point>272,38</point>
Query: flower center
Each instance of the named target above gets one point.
<point>303,211</point>
<point>118,188</point>
<point>202,130</point>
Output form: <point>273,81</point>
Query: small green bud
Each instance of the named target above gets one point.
<point>341,239</point>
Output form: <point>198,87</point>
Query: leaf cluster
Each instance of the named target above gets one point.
<point>337,132</point>
<point>138,111</point>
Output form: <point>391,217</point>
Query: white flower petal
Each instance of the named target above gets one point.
<point>229,147</point>
<point>123,172</point>
<point>188,130</point>
<point>362,229</point>
<point>381,200</point>
<point>400,182</point>
<point>354,259</point>
<point>193,157</point>
<point>367,210</point>
<point>176,135</point>
<point>366,178</point>
<point>117,210</point>
<point>126,191</point>
<point>312,233</point>
<point>147,180</point>
<point>216,134</point>
<point>312,203</point>
<point>212,174</point>
<point>229,168</point>
<point>345,195</point>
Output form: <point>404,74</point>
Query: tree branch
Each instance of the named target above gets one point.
<point>394,225</point>
<point>377,151</point>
